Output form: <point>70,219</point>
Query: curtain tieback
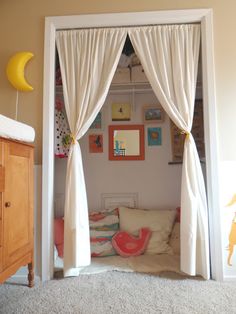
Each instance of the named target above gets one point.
<point>186,133</point>
<point>73,139</point>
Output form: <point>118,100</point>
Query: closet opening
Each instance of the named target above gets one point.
<point>145,18</point>
<point>119,189</point>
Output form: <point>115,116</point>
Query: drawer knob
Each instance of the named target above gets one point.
<point>7,204</point>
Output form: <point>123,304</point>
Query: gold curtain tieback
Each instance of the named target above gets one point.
<point>186,133</point>
<point>73,139</point>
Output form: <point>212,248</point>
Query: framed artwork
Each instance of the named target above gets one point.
<point>97,123</point>
<point>177,143</point>
<point>121,112</point>
<point>198,128</point>
<point>152,114</point>
<point>154,136</point>
<point>96,143</point>
<point>177,138</point>
<point>126,142</point>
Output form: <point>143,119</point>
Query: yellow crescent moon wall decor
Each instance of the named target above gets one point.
<point>16,71</point>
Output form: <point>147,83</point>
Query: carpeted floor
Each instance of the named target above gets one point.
<point>120,293</point>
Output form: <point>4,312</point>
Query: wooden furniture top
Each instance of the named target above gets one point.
<point>4,139</point>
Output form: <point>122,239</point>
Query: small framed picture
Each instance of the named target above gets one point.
<point>96,143</point>
<point>121,112</point>
<point>153,114</point>
<point>154,136</point>
<point>97,123</point>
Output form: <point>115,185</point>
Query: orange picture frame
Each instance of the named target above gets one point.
<point>119,149</point>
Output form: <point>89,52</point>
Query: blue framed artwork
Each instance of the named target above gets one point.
<point>154,136</point>
<point>97,123</point>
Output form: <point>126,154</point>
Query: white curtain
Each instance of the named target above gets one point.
<point>169,55</point>
<point>88,60</point>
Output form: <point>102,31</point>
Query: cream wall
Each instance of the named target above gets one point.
<point>22,28</point>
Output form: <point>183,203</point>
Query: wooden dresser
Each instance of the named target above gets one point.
<point>16,208</point>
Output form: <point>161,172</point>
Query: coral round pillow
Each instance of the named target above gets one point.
<point>59,235</point>
<point>126,244</point>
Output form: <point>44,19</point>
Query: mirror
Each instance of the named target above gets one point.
<point>126,142</point>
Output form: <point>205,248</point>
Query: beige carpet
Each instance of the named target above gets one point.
<point>120,293</point>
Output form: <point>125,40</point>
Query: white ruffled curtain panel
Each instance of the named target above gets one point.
<point>169,55</point>
<point>88,60</point>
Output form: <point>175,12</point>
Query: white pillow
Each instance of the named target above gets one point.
<point>160,222</point>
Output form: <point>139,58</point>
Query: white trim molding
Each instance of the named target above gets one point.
<point>52,24</point>
<point>211,146</point>
<point>113,200</point>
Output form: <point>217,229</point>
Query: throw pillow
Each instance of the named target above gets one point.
<point>126,244</point>
<point>175,239</point>
<point>103,225</point>
<point>160,222</point>
<point>59,235</point>
<point>178,210</point>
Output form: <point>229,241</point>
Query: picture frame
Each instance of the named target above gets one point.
<point>178,138</point>
<point>177,142</point>
<point>97,123</point>
<point>154,136</point>
<point>126,142</point>
<point>153,114</point>
<point>121,112</point>
<point>96,143</point>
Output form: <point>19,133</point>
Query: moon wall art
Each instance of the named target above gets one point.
<point>16,71</point>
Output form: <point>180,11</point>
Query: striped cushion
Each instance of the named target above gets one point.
<point>103,225</point>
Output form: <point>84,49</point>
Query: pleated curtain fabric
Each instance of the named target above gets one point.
<point>88,60</point>
<point>169,55</point>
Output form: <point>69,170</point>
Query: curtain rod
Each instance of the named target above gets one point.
<point>128,26</point>
<point>128,91</point>
<point>136,90</point>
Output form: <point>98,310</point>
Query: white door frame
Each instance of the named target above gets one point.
<point>203,16</point>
